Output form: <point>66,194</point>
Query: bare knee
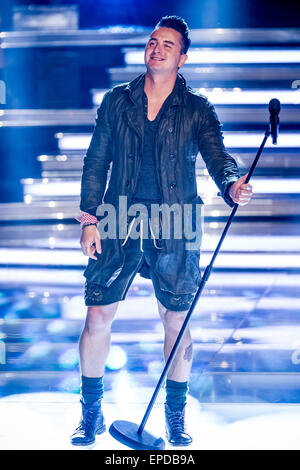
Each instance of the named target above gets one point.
<point>99,318</point>
<point>173,322</point>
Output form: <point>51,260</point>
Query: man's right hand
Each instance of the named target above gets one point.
<point>90,241</point>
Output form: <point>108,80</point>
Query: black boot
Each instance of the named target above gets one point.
<point>91,423</point>
<point>175,430</point>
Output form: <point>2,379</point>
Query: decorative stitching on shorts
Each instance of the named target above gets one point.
<point>180,301</point>
<point>93,293</point>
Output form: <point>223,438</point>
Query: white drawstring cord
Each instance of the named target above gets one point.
<point>129,230</point>
<point>141,234</point>
<point>153,236</point>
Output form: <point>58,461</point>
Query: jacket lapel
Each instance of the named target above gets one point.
<point>135,120</point>
<point>135,111</point>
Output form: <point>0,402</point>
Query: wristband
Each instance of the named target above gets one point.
<point>86,225</point>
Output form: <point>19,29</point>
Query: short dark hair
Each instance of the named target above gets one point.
<point>179,24</point>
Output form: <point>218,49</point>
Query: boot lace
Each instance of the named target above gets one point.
<point>86,422</point>
<point>176,420</point>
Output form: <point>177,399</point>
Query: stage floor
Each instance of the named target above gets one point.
<point>44,421</point>
<point>245,382</point>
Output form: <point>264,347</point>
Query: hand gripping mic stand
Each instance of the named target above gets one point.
<point>131,434</point>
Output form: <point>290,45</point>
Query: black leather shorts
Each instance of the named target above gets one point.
<point>94,294</point>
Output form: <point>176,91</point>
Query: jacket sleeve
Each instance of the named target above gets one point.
<point>97,161</point>
<point>221,166</point>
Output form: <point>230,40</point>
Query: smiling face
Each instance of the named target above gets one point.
<point>163,52</point>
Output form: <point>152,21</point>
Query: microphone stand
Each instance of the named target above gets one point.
<point>131,434</point>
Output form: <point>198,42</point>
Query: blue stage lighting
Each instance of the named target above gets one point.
<point>117,358</point>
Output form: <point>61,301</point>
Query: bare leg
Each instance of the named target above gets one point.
<point>95,339</point>
<point>181,366</point>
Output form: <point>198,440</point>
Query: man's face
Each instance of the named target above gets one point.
<point>163,51</point>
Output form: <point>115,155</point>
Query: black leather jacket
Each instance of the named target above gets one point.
<point>188,126</point>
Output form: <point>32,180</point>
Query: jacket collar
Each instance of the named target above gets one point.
<point>135,89</point>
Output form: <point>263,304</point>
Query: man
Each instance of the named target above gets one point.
<point>150,130</point>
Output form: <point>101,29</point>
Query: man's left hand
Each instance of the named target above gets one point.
<point>240,192</point>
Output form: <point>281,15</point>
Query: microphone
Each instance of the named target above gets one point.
<point>274,108</point>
